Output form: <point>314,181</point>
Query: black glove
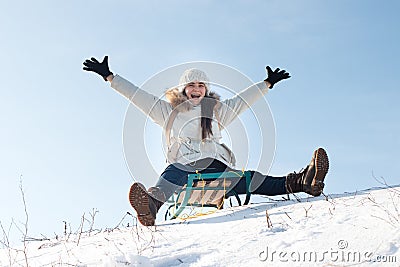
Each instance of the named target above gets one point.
<point>97,67</point>
<point>276,76</point>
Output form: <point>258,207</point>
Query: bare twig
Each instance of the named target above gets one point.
<point>393,217</point>
<point>144,241</point>
<point>383,182</point>
<point>25,232</point>
<point>117,226</point>
<point>269,223</point>
<point>65,228</point>
<point>307,210</point>
<point>326,196</point>
<point>297,198</point>
<point>330,211</point>
<point>81,228</point>
<point>6,243</point>
<point>37,239</point>
<point>92,216</point>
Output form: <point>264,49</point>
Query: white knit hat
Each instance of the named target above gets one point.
<point>193,75</point>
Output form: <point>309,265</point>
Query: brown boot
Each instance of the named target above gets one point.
<point>311,179</point>
<point>146,203</point>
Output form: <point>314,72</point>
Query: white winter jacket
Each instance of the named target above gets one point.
<point>185,144</point>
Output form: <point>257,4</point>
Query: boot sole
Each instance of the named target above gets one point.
<point>322,167</point>
<point>139,200</point>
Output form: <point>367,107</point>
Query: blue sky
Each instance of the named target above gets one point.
<point>62,127</point>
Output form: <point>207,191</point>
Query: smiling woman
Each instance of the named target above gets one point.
<point>194,86</point>
<point>195,91</point>
<point>193,118</point>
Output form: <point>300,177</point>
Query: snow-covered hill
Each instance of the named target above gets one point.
<point>350,229</point>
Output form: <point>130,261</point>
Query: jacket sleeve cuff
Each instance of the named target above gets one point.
<point>263,87</point>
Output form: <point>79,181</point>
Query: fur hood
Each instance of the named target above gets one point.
<point>178,100</point>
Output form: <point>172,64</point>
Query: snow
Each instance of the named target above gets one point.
<point>359,228</point>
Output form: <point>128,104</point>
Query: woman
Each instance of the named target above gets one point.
<point>192,119</point>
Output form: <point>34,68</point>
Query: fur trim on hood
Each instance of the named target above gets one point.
<point>181,102</point>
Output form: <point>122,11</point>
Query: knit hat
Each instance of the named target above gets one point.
<point>192,75</point>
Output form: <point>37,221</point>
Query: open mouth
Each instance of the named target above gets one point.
<point>195,95</point>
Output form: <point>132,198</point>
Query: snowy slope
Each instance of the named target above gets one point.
<point>359,228</point>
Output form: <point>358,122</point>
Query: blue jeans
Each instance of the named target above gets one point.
<point>175,176</point>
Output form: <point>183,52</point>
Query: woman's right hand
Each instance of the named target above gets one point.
<point>101,68</point>
<point>275,76</point>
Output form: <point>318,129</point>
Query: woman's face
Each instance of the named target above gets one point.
<point>195,91</point>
